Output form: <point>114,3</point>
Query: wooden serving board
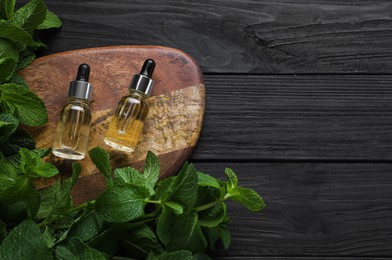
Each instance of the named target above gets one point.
<point>176,106</point>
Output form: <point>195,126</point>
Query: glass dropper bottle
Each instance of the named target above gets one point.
<point>74,122</point>
<point>128,121</point>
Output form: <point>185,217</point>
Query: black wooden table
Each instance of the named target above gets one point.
<point>299,104</point>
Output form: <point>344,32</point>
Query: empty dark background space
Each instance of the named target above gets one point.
<point>298,103</point>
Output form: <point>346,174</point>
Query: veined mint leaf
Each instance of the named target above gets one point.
<point>8,125</point>
<point>17,80</point>
<point>75,249</point>
<point>120,203</point>
<point>9,50</point>
<point>151,169</point>
<point>19,139</point>
<point>207,180</point>
<point>174,206</point>
<point>8,174</point>
<point>24,104</point>
<point>87,227</point>
<point>214,234</point>
<point>141,241</point>
<point>51,21</point>
<point>48,237</point>
<point>7,8</point>
<point>101,160</point>
<point>30,16</point>
<point>7,68</point>
<point>187,235</point>
<point>184,187</point>
<point>247,197</point>
<point>26,57</point>
<point>23,242</point>
<point>232,177</point>
<point>212,217</point>
<point>32,165</point>
<point>14,33</point>
<point>165,223</point>
<point>164,188</point>
<point>130,175</point>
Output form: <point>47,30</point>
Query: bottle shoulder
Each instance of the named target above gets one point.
<point>74,105</point>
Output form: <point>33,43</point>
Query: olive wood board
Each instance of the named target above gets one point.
<point>173,124</point>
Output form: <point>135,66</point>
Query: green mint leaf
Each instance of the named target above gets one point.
<point>8,125</point>
<point>165,223</point>
<point>23,104</point>
<point>207,180</point>
<point>75,249</point>
<point>51,21</point>
<point>32,165</point>
<point>3,231</point>
<point>130,175</point>
<point>224,235</point>
<point>30,16</point>
<point>108,239</point>
<point>175,207</point>
<point>87,227</point>
<point>8,174</point>
<point>151,169</point>
<point>26,57</point>
<point>17,80</point>
<point>24,242</point>
<point>101,160</point>
<point>184,187</point>
<point>14,33</point>
<point>187,235</point>
<point>207,195</point>
<point>232,177</point>
<point>182,254</point>
<point>247,197</point>
<point>140,242</point>
<point>120,203</point>
<point>201,256</point>
<point>48,237</point>
<point>164,188</point>
<point>7,8</point>
<point>214,234</point>
<point>7,68</point>
<point>7,49</point>
<point>19,139</point>
<point>212,217</point>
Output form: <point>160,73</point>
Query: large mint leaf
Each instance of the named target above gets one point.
<point>247,197</point>
<point>19,139</point>
<point>57,199</point>
<point>141,241</point>
<point>8,125</point>
<point>212,217</point>
<point>7,49</point>
<point>130,175</point>
<point>207,180</point>
<point>120,203</point>
<point>24,242</point>
<point>7,8</point>
<point>51,21</point>
<point>184,187</point>
<point>30,16</point>
<point>187,235</point>
<point>34,167</point>
<point>165,223</point>
<point>151,169</point>
<point>75,249</point>
<point>7,68</point>
<point>87,227</point>
<point>14,33</point>
<point>24,104</point>
<point>101,160</point>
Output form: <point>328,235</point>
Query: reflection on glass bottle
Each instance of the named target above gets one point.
<point>73,127</point>
<point>132,110</point>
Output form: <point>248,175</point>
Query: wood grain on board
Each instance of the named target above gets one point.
<point>237,36</point>
<point>297,117</point>
<point>176,105</point>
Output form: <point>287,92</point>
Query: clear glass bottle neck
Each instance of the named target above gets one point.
<point>137,93</point>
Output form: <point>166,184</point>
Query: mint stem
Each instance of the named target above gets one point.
<point>212,204</point>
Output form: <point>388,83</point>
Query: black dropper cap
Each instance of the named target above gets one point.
<point>142,82</point>
<point>81,88</point>
<point>83,72</point>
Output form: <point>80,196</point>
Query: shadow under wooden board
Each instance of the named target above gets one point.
<point>176,106</point>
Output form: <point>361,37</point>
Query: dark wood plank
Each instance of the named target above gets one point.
<point>297,117</point>
<point>323,209</point>
<point>282,36</point>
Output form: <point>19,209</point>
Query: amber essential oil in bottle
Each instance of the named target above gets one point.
<point>73,127</point>
<point>127,123</point>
